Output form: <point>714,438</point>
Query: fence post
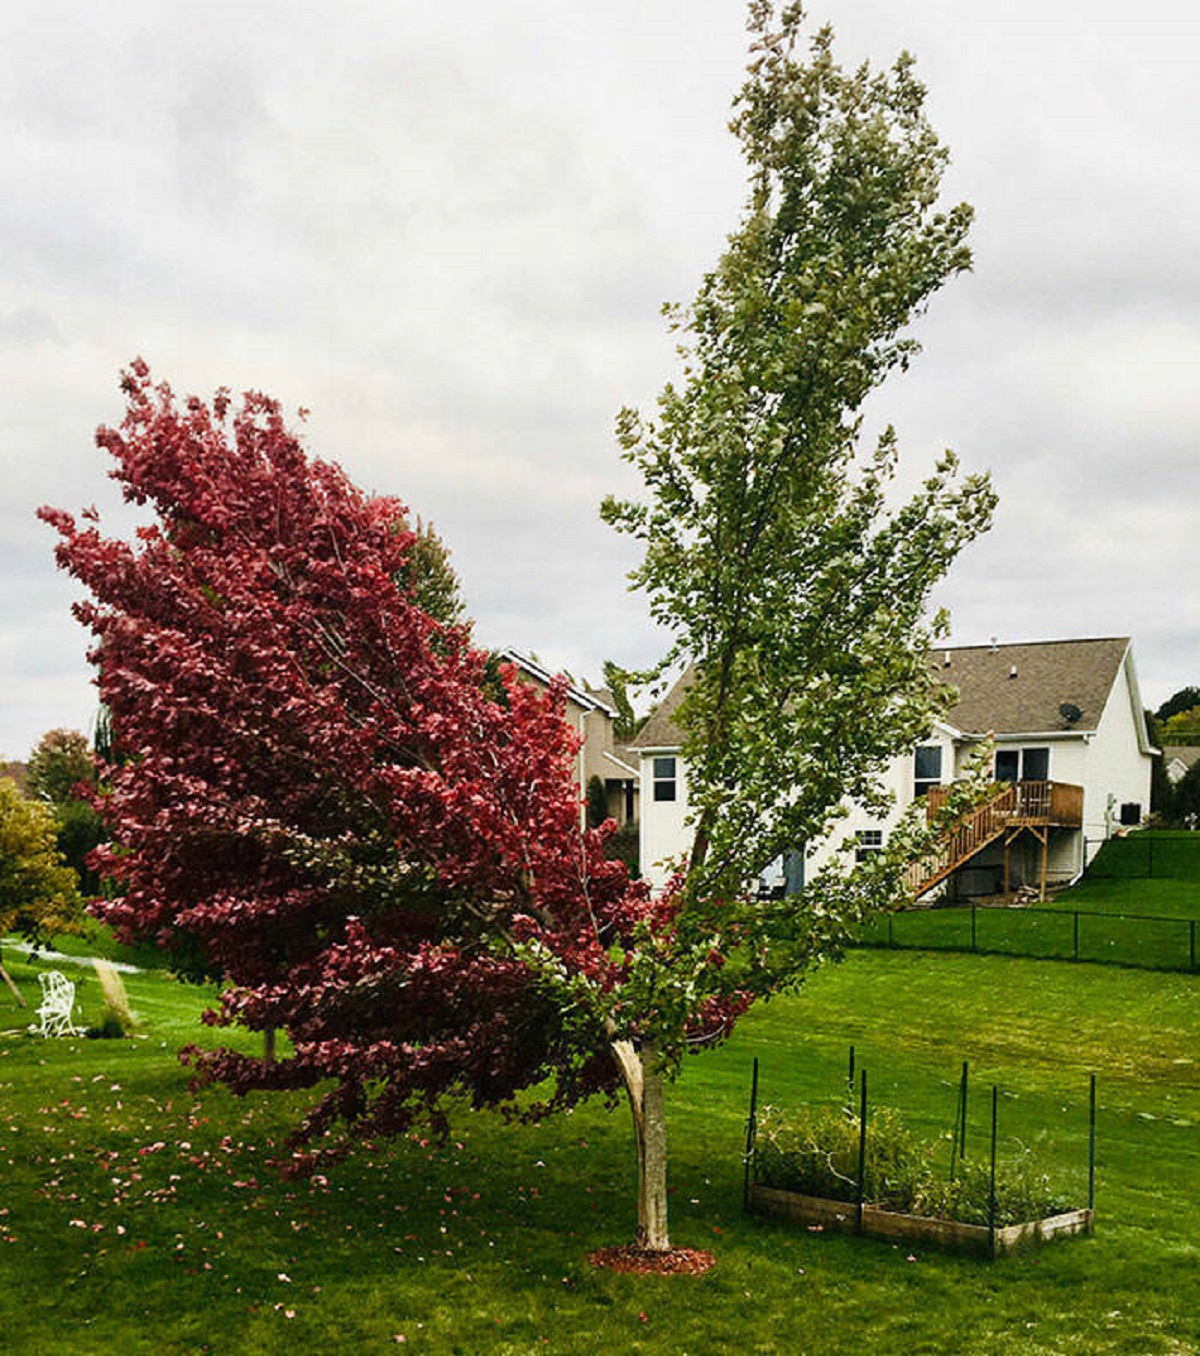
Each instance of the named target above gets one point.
<point>958,1142</point>
<point>862,1149</point>
<point>751,1135</point>
<point>850,1085</point>
<point>1075,943</point>
<point>1092,1144</point>
<point>992,1179</point>
<point>962,1150</point>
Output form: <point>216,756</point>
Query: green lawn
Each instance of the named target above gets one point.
<point>1167,897</point>
<point>1060,932</point>
<point>1116,914</point>
<point>140,1218</point>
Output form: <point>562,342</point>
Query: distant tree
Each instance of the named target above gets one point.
<point>1181,728</point>
<point>1183,700</point>
<point>597,802</point>
<point>62,774</point>
<point>628,724</point>
<point>429,578</point>
<point>1185,797</point>
<point>59,762</point>
<point>39,895</point>
<point>1162,793</point>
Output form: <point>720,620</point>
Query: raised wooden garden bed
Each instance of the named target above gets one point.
<point>843,1217</point>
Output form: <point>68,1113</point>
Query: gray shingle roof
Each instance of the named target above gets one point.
<point>660,731</point>
<point>1007,689</point>
<point>1049,674</point>
<point>1186,753</point>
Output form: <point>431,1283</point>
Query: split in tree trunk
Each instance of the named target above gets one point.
<point>645,1085</point>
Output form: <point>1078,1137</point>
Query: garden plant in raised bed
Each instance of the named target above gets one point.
<point>814,1152</point>
<point>822,1167</point>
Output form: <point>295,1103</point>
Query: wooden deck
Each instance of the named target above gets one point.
<point>1054,804</point>
<point>1016,807</point>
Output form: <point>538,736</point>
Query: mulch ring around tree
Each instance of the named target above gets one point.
<point>637,1261</point>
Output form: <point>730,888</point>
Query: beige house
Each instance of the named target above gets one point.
<point>1072,764</point>
<point>592,714</point>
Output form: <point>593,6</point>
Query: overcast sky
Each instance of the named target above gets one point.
<point>448,231</point>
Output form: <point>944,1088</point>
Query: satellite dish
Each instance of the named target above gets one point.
<point>1069,712</point>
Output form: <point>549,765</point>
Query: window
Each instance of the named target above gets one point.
<point>1035,765</point>
<point>1026,765</point>
<point>1131,813</point>
<point>869,841</point>
<point>1008,765</point>
<point>927,768</point>
<point>664,779</point>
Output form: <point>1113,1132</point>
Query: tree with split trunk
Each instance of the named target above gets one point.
<point>793,574</point>
<point>330,797</point>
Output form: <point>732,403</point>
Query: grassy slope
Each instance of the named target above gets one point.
<point>482,1248</point>
<point>1166,898</point>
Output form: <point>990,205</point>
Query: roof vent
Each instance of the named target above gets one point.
<point>946,659</point>
<point>1012,672</point>
<point>1070,712</point>
<point>995,647</point>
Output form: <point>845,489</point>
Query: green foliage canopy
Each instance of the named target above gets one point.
<point>38,892</point>
<point>1185,699</point>
<point>59,761</point>
<point>774,551</point>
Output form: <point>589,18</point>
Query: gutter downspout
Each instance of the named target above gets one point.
<point>582,768</point>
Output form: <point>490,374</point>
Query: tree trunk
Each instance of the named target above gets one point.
<point>8,980</point>
<point>269,1045</point>
<point>645,1085</point>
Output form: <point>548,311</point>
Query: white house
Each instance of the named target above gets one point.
<point>1071,754</point>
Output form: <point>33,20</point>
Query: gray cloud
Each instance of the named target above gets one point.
<point>449,232</point>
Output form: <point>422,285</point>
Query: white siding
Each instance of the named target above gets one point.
<point>1118,769</point>
<point>1111,765</point>
<point>662,836</point>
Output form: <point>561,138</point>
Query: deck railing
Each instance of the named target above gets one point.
<point>1057,804</point>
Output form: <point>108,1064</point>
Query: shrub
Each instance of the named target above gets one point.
<point>116,1010</point>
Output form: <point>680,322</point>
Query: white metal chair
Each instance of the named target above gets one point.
<point>57,1006</point>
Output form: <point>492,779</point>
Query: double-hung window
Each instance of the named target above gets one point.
<point>927,768</point>
<point>870,841</point>
<point>664,779</point>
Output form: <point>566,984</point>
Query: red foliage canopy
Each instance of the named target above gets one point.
<point>325,795</point>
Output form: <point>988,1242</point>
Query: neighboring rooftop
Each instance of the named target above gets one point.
<point>660,731</point>
<point>1006,689</point>
<point>591,699</point>
<point>1184,755</point>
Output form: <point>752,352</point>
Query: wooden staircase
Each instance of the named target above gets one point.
<point>1036,806</point>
